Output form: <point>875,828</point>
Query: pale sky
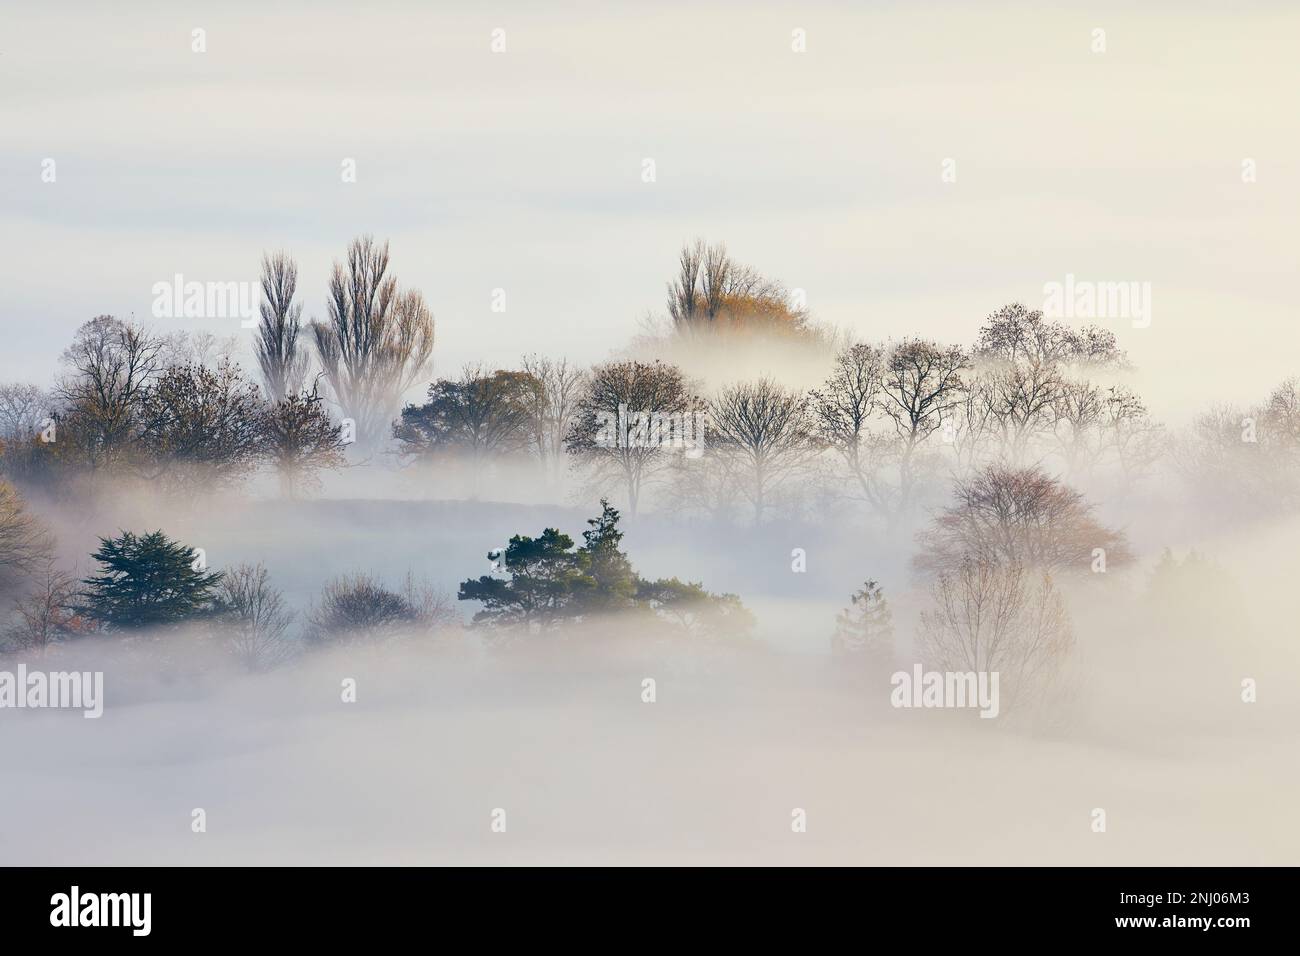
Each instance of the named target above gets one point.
<point>522,170</point>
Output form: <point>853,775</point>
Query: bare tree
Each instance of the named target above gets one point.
<point>23,410</point>
<point>197,348</point>
<point>45,613</point>
<point>1021,399</point>
<point>1078,410</point>
<point>614,423</point>
<point>998,618</point>
<point>921,385</point>
<point>301,440</point>
<point>201,426</point>
<point>712,292</point>
<point>553,402</point>
<point>24,542</point>
<point>26,412</point>
<point>1015,334</point>
<point>843,410</point>
<point>256,617</point>
<point>359,607</point>
<point>767,433</point>
<point>281,357</point>
<point>1129,436</point>
<point>110,365</point>
<point>1019,516</point>
<point>1246,459</point>
<point>706,485</point>
<point>376,343</point>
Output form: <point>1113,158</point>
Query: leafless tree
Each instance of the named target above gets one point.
<point>1078,410</point>
<point>553,403</point>
<point>1018,516</point>
<point>971,429</point>
<point>26,414</point>
<point>301,440</point>
<point>609,430</point>
<point>281,357</point>
<point>23,410</point>
<point>196,348</point>
<point>707,485</point>
<point>766,432</point>
<point>1015,334</point>
<point>376,343</point>
<point>24,541</point>
<point>844,409</point>
<point>998,618</point>
<point>359,607</point>
<point>200,427</point>
<point>109,366</point>
<point>1129,435</point>
<point>1021,399</point>
<point>712,292</point>
<point>922,383</point>
<point>1279,420</point>
<point>44,614</point>
<point>255,616</point>
<point>1247,459</point>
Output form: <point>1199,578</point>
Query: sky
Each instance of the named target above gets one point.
<point>522,170</point>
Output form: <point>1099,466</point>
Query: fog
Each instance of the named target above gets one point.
<point>554,731</point>
<point>875,177</point>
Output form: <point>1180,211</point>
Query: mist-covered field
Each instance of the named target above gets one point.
<point>447,731</point>
<point>699,436</point>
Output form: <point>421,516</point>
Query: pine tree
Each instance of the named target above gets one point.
<point>147,581</point>
<point>614,582</point>
<point>867,627</point>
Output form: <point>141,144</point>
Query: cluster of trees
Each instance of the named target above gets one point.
<point>1005,431</point>
<point>131,402</point>
<point>148,584</point>
<point>128,406</point>
<point>1245,459</point>
<point>888,428</point>
<point>547,582</point>
<point>993,559</point>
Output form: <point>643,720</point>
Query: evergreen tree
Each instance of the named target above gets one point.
<point>551,583</point>
<point>614,583</point>
<point>147,581</point>
<point>695,610</point>
<point>867,627</point>
<point>547,581</point>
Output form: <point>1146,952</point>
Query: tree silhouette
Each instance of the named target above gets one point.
<point>146,581</point>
